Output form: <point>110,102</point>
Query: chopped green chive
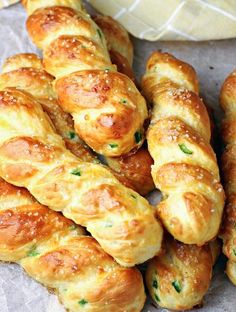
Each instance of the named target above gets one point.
<point>82,302</point>
<point>108,224</point>
<point>177,286</point>
<point>133,196</point>
<point>96,161</point>
<point>124,101</point>
<point>184,149</point>
<point>72,135</point>
<point>76,172</point>
<point>157,298</point>
<point>234,251</point>
<point>72,227</point>
<point>155,284</point>
<point>33,252</point>
<point>138,137</point>
<point>99,33</point>
<point>113,145</point>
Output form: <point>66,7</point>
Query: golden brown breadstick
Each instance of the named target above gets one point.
<point>185,167</point>
<point>180,277</point>
<point>228,232</point>
<point>56,252</point>
<point>25,72</point>
<point>118,43</point>
<point>108,110</point>
<point>136,167</point>
<point>32,155</point>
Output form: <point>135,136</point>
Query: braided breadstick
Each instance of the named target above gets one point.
<point>118,43</point>
<point>55,252</point>
<point>25,72</point>
<point>179,279</point>
<point>228,233</point>
<point>185,167</point>
<point>108,110</point>
<point>135,166</point>
<point>32,155</point>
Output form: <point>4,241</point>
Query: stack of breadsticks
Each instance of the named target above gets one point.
<point>56,115</point>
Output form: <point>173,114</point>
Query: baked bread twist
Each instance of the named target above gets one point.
<point>56,252</point>
<point>24,71</point>
<point>136,167</point>
<point>228,232</point>
<point>108,110</point>
<point>118,43</point>
<point>180,277</point>
<point>32,155</point>
<point>185,167</point>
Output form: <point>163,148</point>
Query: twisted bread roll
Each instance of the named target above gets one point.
<point>118,43</point>
<point>179,279</point>
<point>185,167</point>
<point>55,252</point>
<point>135,166</point>
<point>108,110</point>
<point>25,72</point>
<point>32,155</point>
<point>137,170</point>
<point>228,233</point>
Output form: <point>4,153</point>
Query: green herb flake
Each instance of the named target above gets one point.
<point>155,284</point>
<point>184,149</point>
<point>234,251</point>
<point>108,225</point>
<point>113,145</point>
<point>138,137</point>
<point>76,172</point>
<point>82,302</point>
<point>33,252</point>
<point>133,196</point>
<point>157,298</point>
<point>107,69</point>
<point>72,135</point>
<point>124,101</point>
<point>72,227</point>
<point>177,286</point>
<point>99,33</point>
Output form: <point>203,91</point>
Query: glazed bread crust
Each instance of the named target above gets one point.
<point>32,155</point>
<point>228,161</point>
<point>179,278</point>
<point>185,167</point>
<point>56,252</point>
<point>25,72</point>
<point>108,110</point>
<point>118,43</point>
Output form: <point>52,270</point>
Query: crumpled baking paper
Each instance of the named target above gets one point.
<point>213,62</point>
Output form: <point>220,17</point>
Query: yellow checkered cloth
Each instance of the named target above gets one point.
<point>170,19</point>
<point>6,3</point>
<point>173,19</point>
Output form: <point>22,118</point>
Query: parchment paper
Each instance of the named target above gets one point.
<point>213,62</point>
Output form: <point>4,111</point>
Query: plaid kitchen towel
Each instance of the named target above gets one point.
<point>170,19</point>
<point>173,19</point>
